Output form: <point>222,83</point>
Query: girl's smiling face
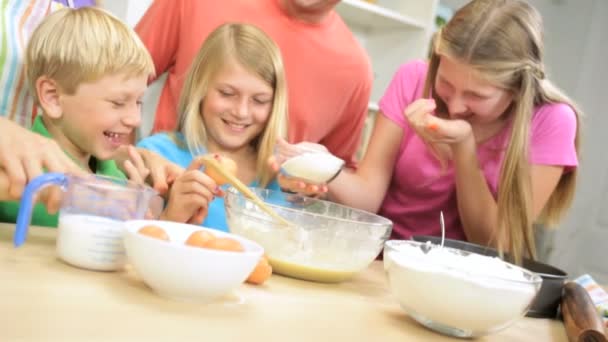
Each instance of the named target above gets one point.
<point>468,96</point>
<point>236,108</point>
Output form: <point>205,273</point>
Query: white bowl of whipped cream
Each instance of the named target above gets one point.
<point>455,292</point>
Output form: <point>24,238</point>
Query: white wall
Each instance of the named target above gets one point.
<point>128,10</point>
<point>579,51</point>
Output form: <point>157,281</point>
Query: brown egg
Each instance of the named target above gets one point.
<point>200,238</point>
<point>154,232</point>
<point>228,164</point>
<point>226,244</point>
<point>261,273</point>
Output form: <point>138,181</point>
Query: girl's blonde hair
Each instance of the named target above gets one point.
<point>255,51</point>
<point>74,46</point>
<point>502,40</point>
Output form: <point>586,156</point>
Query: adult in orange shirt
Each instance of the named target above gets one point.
<point>328,73</point>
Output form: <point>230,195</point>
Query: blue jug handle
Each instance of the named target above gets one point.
<point>26,204</point>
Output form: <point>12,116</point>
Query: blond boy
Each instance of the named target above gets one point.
<point>88,72</point>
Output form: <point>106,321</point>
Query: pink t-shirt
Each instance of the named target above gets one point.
<point>420,189</point>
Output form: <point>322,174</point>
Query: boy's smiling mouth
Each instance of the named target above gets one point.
<point>116,139</point>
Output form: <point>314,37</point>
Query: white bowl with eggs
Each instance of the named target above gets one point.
<point>455,292</point>
<point>188,273</point>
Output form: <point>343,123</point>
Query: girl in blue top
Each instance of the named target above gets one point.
<point>233,103</point>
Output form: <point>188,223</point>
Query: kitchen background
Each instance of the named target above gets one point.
<point>576,56</point>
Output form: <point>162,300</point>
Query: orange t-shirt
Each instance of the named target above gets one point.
<point>328,73</point>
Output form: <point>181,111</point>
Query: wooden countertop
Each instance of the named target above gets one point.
<point>44,299</point>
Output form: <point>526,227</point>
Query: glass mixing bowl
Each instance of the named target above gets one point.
<point>327,242</point>
<point>549,296</point>
<point>455,292</point>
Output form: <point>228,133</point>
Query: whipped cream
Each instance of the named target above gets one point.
<point>465,291</point>
<point>456,262</point>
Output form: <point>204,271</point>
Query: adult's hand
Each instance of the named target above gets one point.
<point>25,155</point>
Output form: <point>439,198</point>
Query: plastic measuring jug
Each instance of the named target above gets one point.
<point>91,217</point>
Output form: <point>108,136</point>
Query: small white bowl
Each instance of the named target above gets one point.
<point>316,167</point>
<point>177,271</point>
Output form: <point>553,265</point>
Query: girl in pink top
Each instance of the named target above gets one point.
<point>478,132</point>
